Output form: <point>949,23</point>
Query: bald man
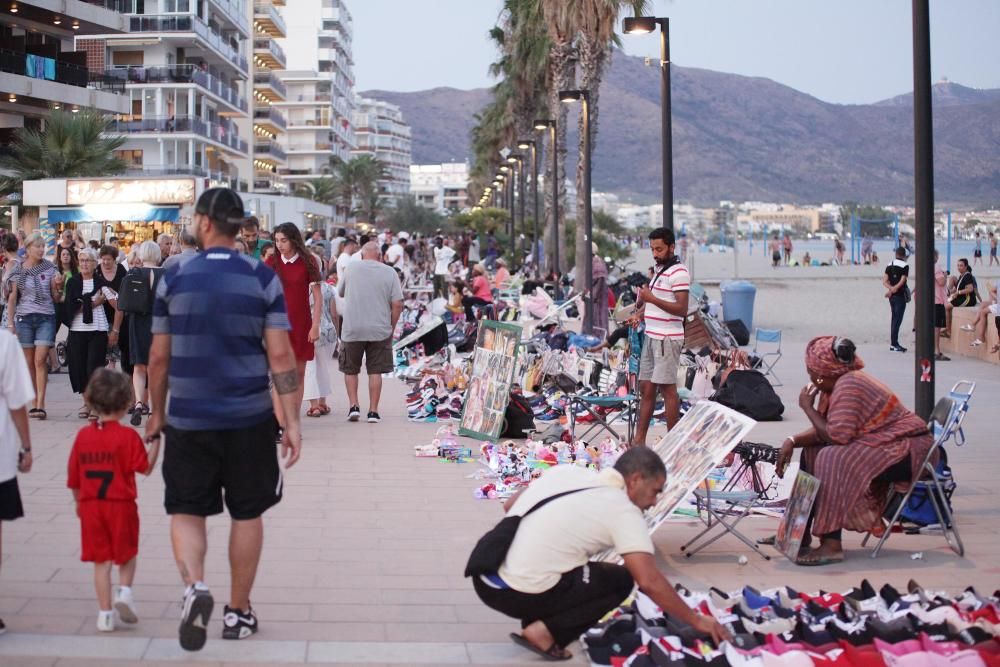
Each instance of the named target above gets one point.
<point>374,301</point>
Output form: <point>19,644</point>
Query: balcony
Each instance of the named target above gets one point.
<point>269,149</point>
<point>222,133</point>
<point>315,147</point>
<point>179,170</point>
<point>41,67</point>
<point>268,50</point>
<point>270,85</point>
<point>267,18</point>
<point>270,118</point>
<point>180,74</point>
<point>235,13</point>
<point>189,23</point>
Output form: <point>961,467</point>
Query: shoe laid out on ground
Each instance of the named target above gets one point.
<point>237,624</point>
<point>373,417</point>
<point>106,621</point>
<point>125,606</point>
<point>354,413</point>
<point>198,605</point>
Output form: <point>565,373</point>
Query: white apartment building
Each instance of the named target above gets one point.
<point>440,187</point>
<point>40,68</point>
<point>320,87</point>
<point>381,131</point>
<point>185,67</point>
<point>267,123</point>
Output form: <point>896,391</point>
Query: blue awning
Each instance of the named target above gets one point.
<point>115,212</point>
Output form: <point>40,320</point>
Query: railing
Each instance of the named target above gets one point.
<point>270,114</point>
<point>225,134</point>
<point>268,44</point>
<point>269,79</point>
<point>120,6</point>
<point>192,170</point>
<point>272,14</point>
<point>187,23</point>
<point>269,148</point>
<point>42,67</point>
<point>234,12</point>
<point>185,73</point>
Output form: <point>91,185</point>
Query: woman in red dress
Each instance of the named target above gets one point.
<point>299,274</point>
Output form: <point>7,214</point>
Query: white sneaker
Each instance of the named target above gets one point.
<point>125,606</point>
<point>105,621</point>
<point>967,327</point>
<point>976,343</point>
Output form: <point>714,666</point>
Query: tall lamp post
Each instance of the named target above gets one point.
<point>640,25</point>
<point>583,96</point>
<point>517,202</point>
<point>550,125</point>
<point>524,145</point>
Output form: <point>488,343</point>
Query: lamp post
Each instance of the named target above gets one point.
<point>583,96</point>
<point>639,25</point>
<point>517,161</point>
<point>550,125</point>
<point>525,144</point>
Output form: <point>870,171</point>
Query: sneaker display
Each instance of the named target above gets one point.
<point>198,605</point>
<point>354,414</point>
<point>238,625</point>
<point>373,417</point>
<point>105,621</point>
<point>125,606</point>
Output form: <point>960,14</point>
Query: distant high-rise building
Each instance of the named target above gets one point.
<point>267,123</point>
<point>381,131</point>
<point>440,187</point>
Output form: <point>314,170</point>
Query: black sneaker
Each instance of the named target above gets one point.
<point>354,414</point>
<point>373,417</point>
<point>238,625</point>
<point>137,411</point>
<point>198,604</point>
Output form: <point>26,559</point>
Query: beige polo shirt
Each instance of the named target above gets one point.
<point>564,534</point>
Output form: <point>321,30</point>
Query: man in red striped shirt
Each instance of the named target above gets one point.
<point>663,305</point>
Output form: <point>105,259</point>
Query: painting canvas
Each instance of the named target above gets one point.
<point>493,364</point>
<point>792,528</point>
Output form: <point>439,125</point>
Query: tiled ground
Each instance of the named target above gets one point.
<point>363,558</point>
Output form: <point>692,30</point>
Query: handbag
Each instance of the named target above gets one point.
<point>491,549</point>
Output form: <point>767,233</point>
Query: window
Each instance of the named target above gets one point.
<point>132,158</point>
<point>176,6</point>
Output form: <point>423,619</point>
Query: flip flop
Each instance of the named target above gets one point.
<point>553,654</point>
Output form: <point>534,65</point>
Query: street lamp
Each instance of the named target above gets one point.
<point>550,125</point>
<point>524,145</point>
<point>583,96</point>
<point>641,25</point>
<point>517,162</point>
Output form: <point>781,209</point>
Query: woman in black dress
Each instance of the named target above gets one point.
<point>109,274</point>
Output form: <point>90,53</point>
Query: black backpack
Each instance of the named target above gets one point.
<point>749,392</point>
<point>137,291</point>
<point>519,418</point>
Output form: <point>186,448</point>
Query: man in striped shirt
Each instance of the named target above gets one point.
<point>663,305</point>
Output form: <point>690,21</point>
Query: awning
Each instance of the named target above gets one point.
<point>114,212</point>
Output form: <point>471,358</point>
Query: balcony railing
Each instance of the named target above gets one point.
<point>180,170</point>
<point>271,115</point>
<point>225,134</point>
<point>234,12</point>
<point>120,6</point>
<point>188,23</point>
<point>185,73</point>
<point>269,79</point>
<point>41,67</point>
<point>270,45</point>
<point>267,9</point>
<point>269,148</point>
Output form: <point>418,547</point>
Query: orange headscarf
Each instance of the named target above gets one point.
<point>822,361</point>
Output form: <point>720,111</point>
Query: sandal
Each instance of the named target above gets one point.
<point>84,413</point>
<point>553,654</point>
<point>324,409</point>
<point>816,561</point>
<point>314,412</point>
<point>37,413</point>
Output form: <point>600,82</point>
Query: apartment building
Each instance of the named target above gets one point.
<point>440,187</point>
<point>320,87</point>
<point>40,68</point>
<point>381,131</point>
<point>185,68</point>
<point>267,120</point>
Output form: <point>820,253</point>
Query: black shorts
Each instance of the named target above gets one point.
<point>10,500</point>
<point>198,466</point>
<point>940,316</point>
<point>977,253</point>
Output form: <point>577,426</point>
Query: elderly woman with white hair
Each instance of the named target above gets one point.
<point>87,343</point>
<point>140,332</point>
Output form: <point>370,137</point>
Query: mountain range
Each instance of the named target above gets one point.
<point>748,138</point>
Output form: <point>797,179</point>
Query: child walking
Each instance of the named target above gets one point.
<point>102,467</point>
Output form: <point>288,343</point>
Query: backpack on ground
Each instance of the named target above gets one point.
<point>750,393</point>
<point>519,418</point>
<point>138,289</point>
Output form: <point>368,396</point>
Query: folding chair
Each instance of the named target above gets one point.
<point>945,424</point>
<point>627,406</point>
<point>769,353</point>
<point>729,502</point>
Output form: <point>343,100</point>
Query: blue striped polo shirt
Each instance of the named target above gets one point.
<point>215,308</point>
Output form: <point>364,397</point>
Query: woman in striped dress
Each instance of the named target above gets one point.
<point>862,439</point>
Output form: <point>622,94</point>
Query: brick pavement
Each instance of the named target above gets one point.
<point>362,560</point>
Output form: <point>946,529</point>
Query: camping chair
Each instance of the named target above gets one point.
<point>726,507</point>
<point>945,424</point>
<point>626,406</point>
<point>767,347</point>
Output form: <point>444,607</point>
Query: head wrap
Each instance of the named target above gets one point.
<point>822,361</point>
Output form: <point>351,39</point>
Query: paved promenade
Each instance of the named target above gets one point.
<point>363,559</point>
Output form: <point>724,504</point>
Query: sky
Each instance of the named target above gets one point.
<point>845,51</point>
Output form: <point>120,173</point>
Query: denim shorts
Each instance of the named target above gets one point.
<point>36,330</point>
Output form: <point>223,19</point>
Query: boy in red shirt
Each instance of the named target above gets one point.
<point>102,467</point>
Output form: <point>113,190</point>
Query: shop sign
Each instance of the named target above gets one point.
<point>169,191</point>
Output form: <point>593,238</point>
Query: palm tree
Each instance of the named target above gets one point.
<point>72,145</point>
<point>364,173</point>
<point>320,190</point>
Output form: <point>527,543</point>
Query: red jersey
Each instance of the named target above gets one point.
<point>104,461</point>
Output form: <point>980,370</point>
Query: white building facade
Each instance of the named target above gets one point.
<point>440,187</point>
<point>381,131</point>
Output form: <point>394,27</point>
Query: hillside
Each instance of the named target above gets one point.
<point>738,137</point>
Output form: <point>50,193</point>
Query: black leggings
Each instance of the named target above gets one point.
<point>469,302</point>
